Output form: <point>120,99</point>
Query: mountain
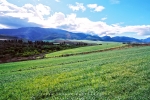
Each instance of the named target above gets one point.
<point>125,39</point>
<point>106,38</point>
<point>147,40</point>
<point>121,39</point>
<point>36,33</point>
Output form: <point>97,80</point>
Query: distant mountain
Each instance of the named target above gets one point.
<point>120,39</point>
<point>125,39</point>
<point>37,33</point>
<point>147,40</point>
<point>106,38</point>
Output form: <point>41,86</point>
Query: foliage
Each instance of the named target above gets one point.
<point>11,49</point>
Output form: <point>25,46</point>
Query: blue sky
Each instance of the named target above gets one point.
<point>101,17</point>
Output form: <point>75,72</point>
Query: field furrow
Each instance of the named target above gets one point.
<point>118,74</point>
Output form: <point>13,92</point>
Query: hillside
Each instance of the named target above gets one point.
<point>37,33</point>
<point>87,49</point>
<point>118,74</point>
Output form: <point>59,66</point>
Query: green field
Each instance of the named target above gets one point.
<point>111,75</point>
<point>85,49</point>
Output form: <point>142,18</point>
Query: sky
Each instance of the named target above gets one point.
<point>101,17</point>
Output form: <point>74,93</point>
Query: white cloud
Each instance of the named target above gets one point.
<point>27,12</point>
<point>103,18</point>
<point>7,7</point>
<point>141,30</point>
<point>2,1</point>
<point>3,26</point>
<point>99,8</point>
<point>79,6</point>
<point>75,24</point>
<point>42,9</point>
<point>55,20</point>
<point>96,7</point>
<point>115,1</point>
<point>29,15</point>
<point>57,0</point>
<point>4,8</point>
<point>92,6</point>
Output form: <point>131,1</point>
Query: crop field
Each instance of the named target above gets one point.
<point>111,75</point>
<point>85,49</point>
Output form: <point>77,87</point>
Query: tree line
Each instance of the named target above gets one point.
<point>19,48</point>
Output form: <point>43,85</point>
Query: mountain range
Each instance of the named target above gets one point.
<point>37,33</point>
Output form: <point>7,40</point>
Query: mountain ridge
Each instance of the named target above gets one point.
<point>37,33</point>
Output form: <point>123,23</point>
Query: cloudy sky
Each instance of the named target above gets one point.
<point>103,17</point>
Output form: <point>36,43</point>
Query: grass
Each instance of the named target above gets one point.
<point>119,74</point>
<point>85,49</point>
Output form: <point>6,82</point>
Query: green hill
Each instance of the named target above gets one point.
<point>104,45</point>
<point>112,75</point>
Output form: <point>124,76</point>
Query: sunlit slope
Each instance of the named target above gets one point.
<point>85,49</point>
<point>118,74</point>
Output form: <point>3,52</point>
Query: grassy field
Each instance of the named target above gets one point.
<point>85,49</point>
<point>111,75</point>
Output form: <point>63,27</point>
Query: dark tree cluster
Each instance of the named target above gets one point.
<point>19,48</point>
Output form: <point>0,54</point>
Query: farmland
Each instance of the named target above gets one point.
<point>119,74</point>
<point>84,49</point>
